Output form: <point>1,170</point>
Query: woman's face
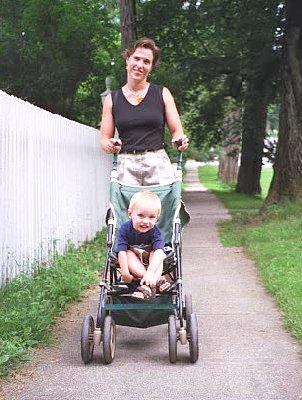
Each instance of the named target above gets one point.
<point>139,64</point>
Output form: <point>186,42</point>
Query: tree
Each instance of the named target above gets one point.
<point>287,179</point>
<point>228,160</point>
<point>128,22</point>
<point>253,134</point>
<point>52,52</point>
<point>232,47</point>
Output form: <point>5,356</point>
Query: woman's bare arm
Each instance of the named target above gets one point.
<point>107,141</point>
<point>173,120</point>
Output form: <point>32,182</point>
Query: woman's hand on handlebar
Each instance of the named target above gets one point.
<point>181,143</point>
<point>114,145</point>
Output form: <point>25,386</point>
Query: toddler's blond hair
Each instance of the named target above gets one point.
<point>145,196</point>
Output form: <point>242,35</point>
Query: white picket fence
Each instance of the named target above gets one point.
<point>54,185</point>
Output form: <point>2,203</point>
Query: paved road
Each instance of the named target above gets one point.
<point>244,351</point>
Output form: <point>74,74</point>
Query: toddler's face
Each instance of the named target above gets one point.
<point>144,217</point>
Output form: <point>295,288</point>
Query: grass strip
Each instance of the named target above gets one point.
<point>272,239</point>
<point>29,305</point>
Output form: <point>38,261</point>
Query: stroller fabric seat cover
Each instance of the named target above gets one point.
<point>171,205</point>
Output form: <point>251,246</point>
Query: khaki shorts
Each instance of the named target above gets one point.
<point>151,168</point>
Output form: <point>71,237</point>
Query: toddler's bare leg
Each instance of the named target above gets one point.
<point>136,268</point>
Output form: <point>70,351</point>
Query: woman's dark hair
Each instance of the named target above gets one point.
<point>147,44</point>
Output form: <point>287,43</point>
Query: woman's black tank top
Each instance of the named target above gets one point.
<point>140,127</point>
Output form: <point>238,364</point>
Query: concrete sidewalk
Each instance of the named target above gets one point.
<point>244,344</point>
<point>245,353</point>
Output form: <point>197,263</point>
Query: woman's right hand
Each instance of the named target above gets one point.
<point>181,143</point>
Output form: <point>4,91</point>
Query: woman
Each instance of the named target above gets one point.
<point>139,111</point>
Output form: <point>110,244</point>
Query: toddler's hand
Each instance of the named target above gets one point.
<point>149,279</point>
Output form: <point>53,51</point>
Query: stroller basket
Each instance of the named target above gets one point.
<point>128,311</point>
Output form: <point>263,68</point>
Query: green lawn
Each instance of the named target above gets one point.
<point>272,239</point>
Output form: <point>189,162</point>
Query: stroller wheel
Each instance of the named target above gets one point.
<point>188,306</point>
<point>172,333</point>
<point>87,344</point>
<point>109,339</point>
<point>193,337</point>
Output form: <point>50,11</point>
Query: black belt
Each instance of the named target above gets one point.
<point>140,151</point>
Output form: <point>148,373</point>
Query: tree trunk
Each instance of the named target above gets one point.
<point>287,180</point>
<point>253,127</point>
<point>228,160</point>
<point>228,169</point>
<point>128,23</point>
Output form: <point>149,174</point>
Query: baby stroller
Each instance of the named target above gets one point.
<point>117,306</point>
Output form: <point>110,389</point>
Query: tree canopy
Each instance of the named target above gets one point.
<point>218,56</point>
<point>55,53</point>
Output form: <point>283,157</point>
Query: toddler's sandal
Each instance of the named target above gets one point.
<point>165,287</point>
<point>145,290</point>
<point>138,295</point>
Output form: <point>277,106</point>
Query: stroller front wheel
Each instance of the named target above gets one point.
<point>172,333</point>
<point>109,339</point>
<point>193,337</point>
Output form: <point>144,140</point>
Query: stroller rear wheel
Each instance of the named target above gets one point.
<point>193,337</point>
<point>172,333</point>
<point>109,339</point>
<point>87,344</point>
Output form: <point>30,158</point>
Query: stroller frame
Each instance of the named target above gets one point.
<point>117,307</point>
